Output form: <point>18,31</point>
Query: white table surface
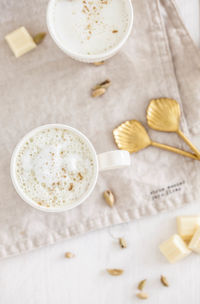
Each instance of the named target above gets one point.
<point>46,277</point>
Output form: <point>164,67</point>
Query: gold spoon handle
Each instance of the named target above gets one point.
<point>172,149</point>
<point>188,142</point>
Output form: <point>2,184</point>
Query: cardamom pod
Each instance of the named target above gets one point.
<point>164,281</point>
<point>142,284</point>
<point>109,198</point>
<point>69,255</point>
<point>98,63</point>
<point>38,38</point>
<point>104,84</point>
<point>122,243</point>
<point>100,88</point>
<point>98,92</point>
<point>115,271</point>
<point>142,295</point>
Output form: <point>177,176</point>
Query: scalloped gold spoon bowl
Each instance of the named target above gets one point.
<point>163,114</point>
<point>133,137</point>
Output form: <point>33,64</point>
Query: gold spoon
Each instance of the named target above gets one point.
<point>132,136</point>
<point>163,114</point>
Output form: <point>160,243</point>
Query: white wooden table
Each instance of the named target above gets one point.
<point>45,277</point>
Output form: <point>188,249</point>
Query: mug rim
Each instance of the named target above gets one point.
<point>90,58</point>
<point>25,197</point>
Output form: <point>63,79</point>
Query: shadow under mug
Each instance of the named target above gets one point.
<point>104,161</point>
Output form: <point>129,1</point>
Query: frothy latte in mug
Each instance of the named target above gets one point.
<point>89,27</point>
<point>55,167</point>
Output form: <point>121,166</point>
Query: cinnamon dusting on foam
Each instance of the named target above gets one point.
<point>55,167</point>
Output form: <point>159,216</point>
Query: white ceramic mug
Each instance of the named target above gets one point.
<point>88,58</point>
<point>104,161</point>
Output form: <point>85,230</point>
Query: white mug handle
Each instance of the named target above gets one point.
<point>114,160</point>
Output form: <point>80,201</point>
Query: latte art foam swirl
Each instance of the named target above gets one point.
<point>55,167</point>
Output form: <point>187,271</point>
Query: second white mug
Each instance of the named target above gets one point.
<point>90,31</point>
<point>104,161</point>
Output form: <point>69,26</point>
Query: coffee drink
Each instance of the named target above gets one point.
<point>55,167</point>
<point>89,27</point>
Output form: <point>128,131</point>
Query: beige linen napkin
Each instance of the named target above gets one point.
<point>46,86</point>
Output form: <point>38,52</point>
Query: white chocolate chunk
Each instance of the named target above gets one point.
<point>174,249</point>
<point>187,225</point>
<point>20,41</point>
<point>194,244</point>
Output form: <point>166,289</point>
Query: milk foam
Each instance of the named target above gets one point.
<point>55,167</point>
<point>89,26</point>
